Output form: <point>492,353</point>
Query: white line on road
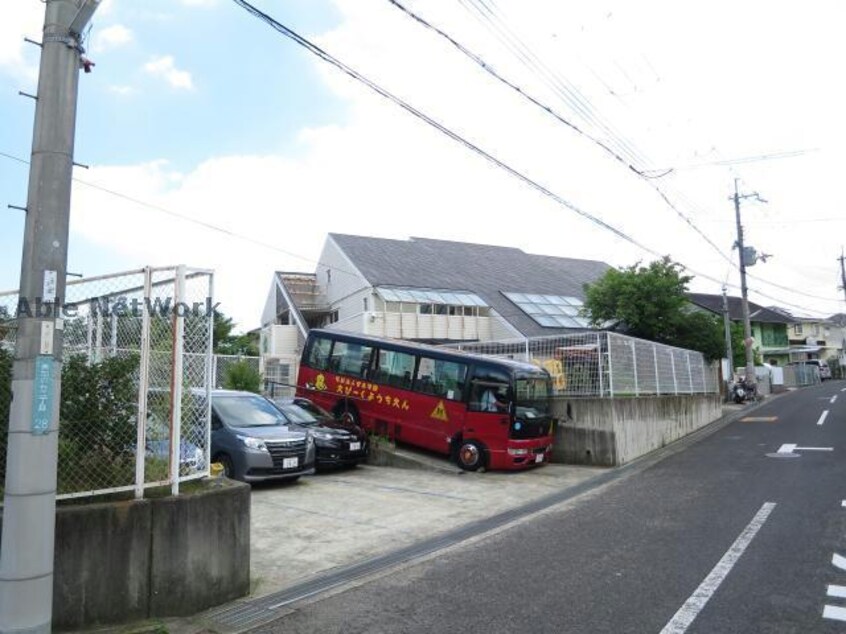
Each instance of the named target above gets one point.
<point>835,613</point>
<point>822,417</point>
<point>838,592</point>
<point>838,561</point>
<point>691,608</point>
<point>791,447</point>
<point>786,448</point>
<point>833,398</point>
<point>843,389</point>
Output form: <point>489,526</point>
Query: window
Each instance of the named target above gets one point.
<point>318,355</point>
<point>441,378</point>
<point>489,392</point>
<point>350,358</point>
<point>797,329</point>
<point>365,304</point>
<point>395,368</point>
<point>552,311</point>
<point>426,309</point>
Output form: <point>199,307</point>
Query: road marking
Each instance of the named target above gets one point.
<point>833,398</point>
<point>838,561</point>
<point>822,417</point>
<point>691,608</point>
<point>843,389</point>
<point>789,448</point>
<point>786,449</point>
<point>838,592</point>
<point>835,613</point>
<point>843,503</point>
<point>759,419</point>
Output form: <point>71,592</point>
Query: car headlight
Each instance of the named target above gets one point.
<point>253,443</point>
<point>321,435</point>
<point>517,452</point>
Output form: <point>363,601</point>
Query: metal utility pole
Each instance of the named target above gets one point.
<point>727,326</point>
<point>26,553</point>
<point>741,249</point>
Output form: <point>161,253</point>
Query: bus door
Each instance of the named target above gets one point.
<point>440,415</point>
<point>490,406</point>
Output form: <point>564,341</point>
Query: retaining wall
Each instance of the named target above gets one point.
<point>124,561</point>
<point>614,431</point>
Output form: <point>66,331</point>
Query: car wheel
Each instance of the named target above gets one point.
<point>347,413</point>
<point>470,455</point>
<point>226,462</point>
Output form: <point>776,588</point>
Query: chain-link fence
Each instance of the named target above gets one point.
<point>605,364</point>
<point>229,370</point>
<point>137,373</point>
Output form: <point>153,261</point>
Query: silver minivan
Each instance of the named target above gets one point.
<point>253,441</point>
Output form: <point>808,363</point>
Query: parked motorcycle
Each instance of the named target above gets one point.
<point>742,391</point>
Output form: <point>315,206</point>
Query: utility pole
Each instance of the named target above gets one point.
<point>26,552</point>
<point>842,258</point>
<point>744,256</point>
<point>727,326</point>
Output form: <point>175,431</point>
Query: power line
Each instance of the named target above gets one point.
<point>325,56</point>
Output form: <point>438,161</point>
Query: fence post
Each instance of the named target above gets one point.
<point>704,381</point>
<point>143,385</point>
<point>113,334</point>
<point>92,315</point>
<point>177,379</point>
<point>633,344</point>
<point>657,376</point>
<point>689,373</point>
<point>610,368</point>
<point>599,358</point>
<point>528,358</point>
<point>673,365</point>
<point>98,339</point>
<point>211,367</point>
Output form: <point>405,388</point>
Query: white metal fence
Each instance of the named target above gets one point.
<point>605,364</point>
<point>135,403</point>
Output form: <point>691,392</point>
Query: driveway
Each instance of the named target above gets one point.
<point>338,518</point>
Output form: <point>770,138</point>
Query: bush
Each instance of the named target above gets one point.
<point>242,376</point>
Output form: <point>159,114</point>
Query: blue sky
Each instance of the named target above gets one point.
<point>197,107</point>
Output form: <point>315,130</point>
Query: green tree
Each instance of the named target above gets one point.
<point>738,349</point>
<point>649,302</point>
<point>225,342</point>
<point>242,376</point>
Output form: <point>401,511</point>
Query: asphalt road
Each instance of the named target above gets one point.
<point>720,537</point>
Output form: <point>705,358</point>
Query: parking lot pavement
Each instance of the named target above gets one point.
<point>342,517</point>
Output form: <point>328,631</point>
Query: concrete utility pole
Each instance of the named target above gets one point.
<point>727,326</point>
<point>26,553</point>
<point>747,326</point>
<point>842,258</point>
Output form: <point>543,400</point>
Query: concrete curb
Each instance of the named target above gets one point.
<point>387,455</point>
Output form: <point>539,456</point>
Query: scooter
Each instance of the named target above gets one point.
<point>742,391</point>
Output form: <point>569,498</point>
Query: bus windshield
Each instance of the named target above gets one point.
<point>532,397</point>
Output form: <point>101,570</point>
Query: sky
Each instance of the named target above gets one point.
<point>199,114</point>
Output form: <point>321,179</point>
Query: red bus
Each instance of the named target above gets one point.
<point>481,411</point>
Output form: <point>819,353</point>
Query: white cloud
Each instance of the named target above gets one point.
<point>20,18</point>
<point>674,93</point>
<point>164,67</point>
<point>111,37</point>
<point>122,90</point>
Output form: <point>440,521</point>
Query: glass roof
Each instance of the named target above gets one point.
<point>551,311</point>
<point>427,296</point>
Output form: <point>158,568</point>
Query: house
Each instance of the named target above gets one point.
<point>769,327</point>
<point>426,290</point>
<point>811,337</point>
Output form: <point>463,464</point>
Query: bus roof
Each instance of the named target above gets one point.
<point>511,364</point>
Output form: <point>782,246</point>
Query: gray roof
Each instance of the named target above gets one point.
<point>483,269</point>
<point>757,313</point>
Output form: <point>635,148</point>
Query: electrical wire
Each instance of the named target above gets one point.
<point>325,56</point>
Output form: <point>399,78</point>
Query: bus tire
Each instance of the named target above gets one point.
<point>470,455</point>
<point>347,412</point>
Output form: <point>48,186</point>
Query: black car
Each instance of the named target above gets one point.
<point>338,443</point>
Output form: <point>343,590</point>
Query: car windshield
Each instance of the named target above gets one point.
<point>297,414</point>
<point>248,411</point>
<point>532,397</point>
<point>313,408</point>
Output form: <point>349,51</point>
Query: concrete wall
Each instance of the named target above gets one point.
<point>611,432</point>
<point>124,561</point>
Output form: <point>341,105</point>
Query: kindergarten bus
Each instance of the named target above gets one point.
<point>481,411</point>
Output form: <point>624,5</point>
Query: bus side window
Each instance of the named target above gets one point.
<point>395,369</point>
<point>318,354</point>
<point>441,378</point>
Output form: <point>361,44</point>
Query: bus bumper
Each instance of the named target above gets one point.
<point>521,455</point>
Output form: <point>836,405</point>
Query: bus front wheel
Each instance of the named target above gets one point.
<point>470,455</point>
